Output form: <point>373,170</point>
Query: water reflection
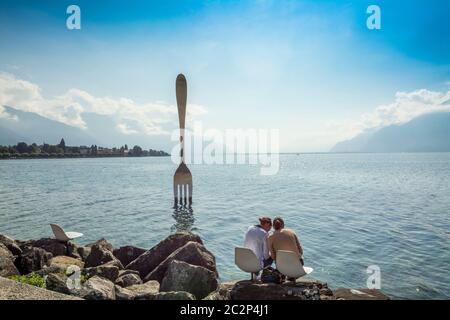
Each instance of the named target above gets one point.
<point>184,219</point>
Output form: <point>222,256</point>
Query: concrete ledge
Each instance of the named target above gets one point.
<point>13,290</point>
<point>359,294</point>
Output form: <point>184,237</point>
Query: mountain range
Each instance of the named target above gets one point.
<point>426,133</point>
<point>101,130</point>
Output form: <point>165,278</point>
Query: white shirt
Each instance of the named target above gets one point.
<point>256,240</point>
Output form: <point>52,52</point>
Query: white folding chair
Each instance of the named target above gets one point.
<point>288,263</point>
<point>247,261</point>
<point>61,235</point>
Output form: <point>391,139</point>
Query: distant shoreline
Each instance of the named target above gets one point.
<point>61,151</point>
<point>78,157</point>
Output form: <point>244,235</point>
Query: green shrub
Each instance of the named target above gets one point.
<point>83,278</point>
<point>31,279</point>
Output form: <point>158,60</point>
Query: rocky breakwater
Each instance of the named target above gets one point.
<point>177,268</point>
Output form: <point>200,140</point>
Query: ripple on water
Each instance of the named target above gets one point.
<point>350,211</point>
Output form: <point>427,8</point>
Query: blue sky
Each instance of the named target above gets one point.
<point>304,67</point>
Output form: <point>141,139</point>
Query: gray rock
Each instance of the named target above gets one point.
<point>83,252</point>
<point>149,260</point>
<point>96,288</point>
<point>173,295</point>
<point>11,244</point>
<point>55,247</point>
<point>127,254</point>
<point>72,250</point>
<point>4,239</point>
<point>64,262</point>
<point>102,243</point>
<point>57,282</point>
<point>32,259</point>
<point>359,294</point>
<point>144,291</point>
<point>222,292</point>
<point>193,253</point>
<point>123,293</point>
<point>126,271</point>
<point>182,276</point>
<point>13,290</point>
<point>128,279</point>
<point>106,271</point>
<point>248,290</point>
<point>7,267</point>
<point>48,270</point>
<point>100,254</point>
<point>115,263</point>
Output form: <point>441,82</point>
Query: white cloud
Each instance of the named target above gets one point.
<point>5,115</point>
<point>69,107</point>
<point>407,105</point>
<point>123,127</point>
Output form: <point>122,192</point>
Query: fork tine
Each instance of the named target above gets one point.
<point>185,194</point>
<point>190,193</point>
<point>175,195</point>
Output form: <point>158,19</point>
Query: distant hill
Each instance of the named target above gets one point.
<point>101,130</point>
<point>426,133</point>
<point>31,127</point>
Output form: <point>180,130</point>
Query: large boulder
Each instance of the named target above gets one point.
<point>101,253</point>
<point>55,247</point>
<point>182,276</point>
<point>57,282</point>
<point>149,260</point>
<point>7,267</point>
<point>123,293</point>
<point>32,259</point>
<point>359,294</point>
<point>248,290</point>
<point>222,292</point>
<point>102,243</point>
<point>127,254</point>
<point>106,271</point>
<point>128,279</point>
<point>126,294</point>
<point>11,244</point>
<point>83,252</point>
<point>14,290</point>
<point>193,253</point>
<point>51,269</point>
<point>63,262</point>
<point>96,288</point>
<point>72,250</point>
<point>144,291</point>
<point>125,271</point>
<point>172,295</point>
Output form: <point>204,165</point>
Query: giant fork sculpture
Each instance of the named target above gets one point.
<point>182,179</point>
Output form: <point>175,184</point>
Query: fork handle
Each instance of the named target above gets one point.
<point>181,93</point>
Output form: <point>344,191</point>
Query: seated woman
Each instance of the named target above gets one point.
<point>283,239</point>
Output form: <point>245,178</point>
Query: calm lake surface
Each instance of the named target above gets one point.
<point>349,210</point>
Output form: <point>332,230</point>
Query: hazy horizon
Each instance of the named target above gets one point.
<point>311,69</point>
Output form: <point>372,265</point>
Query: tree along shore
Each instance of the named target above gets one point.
<point>33,151</point>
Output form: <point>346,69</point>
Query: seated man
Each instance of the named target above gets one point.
<point>256,240</point>
<point>283,239</point>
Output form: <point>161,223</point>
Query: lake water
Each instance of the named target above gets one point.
<point>349,210</point>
